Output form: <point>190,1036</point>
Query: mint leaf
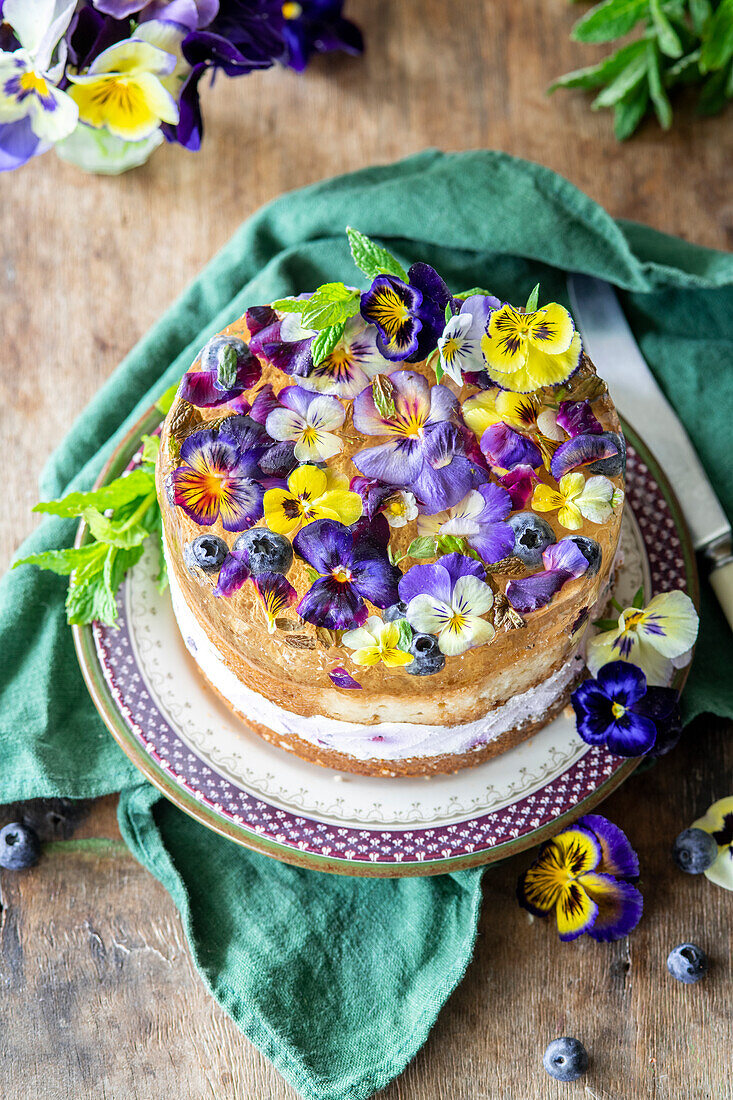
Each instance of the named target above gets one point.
<point>717,48</point>
<point>595,76</point>
<point>667,37</point>
<point>638,600</point>
<point>383,396</point>
<point>166,399</point>
<point>533,299</point>
<point>324,342</point>
<point>700,12</point>
<point>90,601</point>
<point>151,446</point>
<point>631,75</point>
<point>451,544</point>
<point>474,290</point>
<point>65,561</point>
<point>422,547</point>
<point>716,91</point>
<point>331,304</point>
<point>290,305</point>
<point>606,624</point>
<point>629,111</point>
<point>117,534</point>
<point>371,258</point>
<point>120,491</point>
<point>448,313</point>
<point>405,638</point>
<point>226,368</point>
<point>609,20</point>
<point>659,97</point>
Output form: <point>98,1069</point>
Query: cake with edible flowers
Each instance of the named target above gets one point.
<point>389,515</point>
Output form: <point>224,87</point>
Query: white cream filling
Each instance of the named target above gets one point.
<point>385,741</point>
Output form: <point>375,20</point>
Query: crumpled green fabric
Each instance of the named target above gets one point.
<point>338,980</point>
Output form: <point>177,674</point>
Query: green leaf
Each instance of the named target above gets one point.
<point>533,299</point>
<point>451,544</point>
<point>448,312</point>
<point>226,367</point>
<point>716,92</point>
<point>606,624</point>
<point>151,446</point>
<point>609,20</point>
<point>313,575</point>
<point>405,635</point>
<point>166,399</point>
<point>65,561</point>
<point>371,258</point>
<point>331,304</point>
<point>667,37</point>
<point>325,341</point>
<point>439,372</point>
<point>684,71</point>
<point>595,76</point>
<point>638,600</point>
<point>112,533</point>
<point>717,48</point>
<point>630,111</point>
<point>700,12</point>
<point>627,79</point>
<point>422,547</point>
<point>117,563</point>
<point>120,491</point>
<point>90,601</point>
<point>383,396</point>
<point>659,97</point>
<point>474,290</point>
<point>290,305</point>
<point>161,581</point>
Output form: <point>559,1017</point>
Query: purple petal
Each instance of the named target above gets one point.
<point>372,492</point>
<point>246,509</point>
<point>333,604</point>
<point>577,418</point>
<point>618,857</point>
<point>267,334</point>
<point>292,358</point>
<point>296,399</point>
<point>620,907</point>
<point>325,544</point>
<point>443,403</point>
<point>593,712</point>
<point>279,461</point>
<point>459,565</point>
<point>581,451</point>
<point>215,451</point>
<point>249,437</point>
<point>341,678</point>
<point>433,580</point>
<point>258,318</point>
<point>622,682</point>
<point>372,532</point>
<point>480,307</point>
<point>519,483</point>
<point>494,542</point>
<point>263,404</point>
<point>18,144</point>
<point>506,448</point>
<point>199,388</point>
<point>567,556</point>
<point>376,579</point>
<point>530,593</point>
<point>233,574</point>
<point>427,280</point>
<point>631,735</point>
<point>498,503</point>
<point>397,463</point>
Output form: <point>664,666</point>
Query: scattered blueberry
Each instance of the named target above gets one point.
<point>532,535</point>
<point>428,658</point>
<point>395,612</point>
<point>207,552</point>
<point>266,552</point>
<point>694,851</point>
<point>19,847</point>
<point>565,1059</point>
<point>687,963</point>
<point>615,465</point>
<point>590,549</point>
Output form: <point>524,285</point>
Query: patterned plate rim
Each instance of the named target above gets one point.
<point>207,815</point>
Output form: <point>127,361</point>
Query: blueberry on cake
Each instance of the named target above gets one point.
<point>388,516</point>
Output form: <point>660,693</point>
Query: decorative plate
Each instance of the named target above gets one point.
<point>205,760</point>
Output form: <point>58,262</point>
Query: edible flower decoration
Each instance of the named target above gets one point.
<point>228,368</point>
<point>504,448</point>
<point>234,573</point>
<point>354,568</point>
<point>519,482</point>
<point>718,821</point>
<point>576,499</point>
<point>526,351</point>
<point>310,421</point>
<point>409,317</point>
<point>583,877</point>
<point>604,453</point>
<point>656,638</point>
<point>312,494</point>
<point>449,598</point>
<point>396,505</point>
<point>619,710</point>
<point>343,679</point>
<point>426,452</point>
<point>276,594</point>
<point>494,406</point>
<point>460,343</point>
<point>578,418</point>
<point>375,642</point>
<point>218,479</point>
<point>563,561</point>
<point>479,518</point>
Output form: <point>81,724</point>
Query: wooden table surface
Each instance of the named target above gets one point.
<point>99,996</point>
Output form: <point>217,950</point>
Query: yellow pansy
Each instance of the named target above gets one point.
<point>377,641</point>
<point>718,821</point>
<point>311,494</point>
<point>656,638</point>
<point>123,90</point>
<point>526,351</point>
<point>576,499</point>
<point>519,411</point>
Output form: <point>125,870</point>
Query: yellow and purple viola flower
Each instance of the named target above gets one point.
<point>619,710</point>
<point>308,420</point>
<point>479,518</point>
<point>657,638</point>
<point>409,317</point>
<point>396,505</point>
<point>718,821</point>
<point>449,599</point>
<point>583,877</point>
<point>311,494</point>
<point>527,351</point>
<point>494,406</point>
<point>460,343</point>
<point>277,595</point>
<point>377,642</point>
<point>426,452</point>
<point>228,368</point>
<point>563,561</point>
<point>354,568</point>
<point>576,499</point>
<point>219,478</point>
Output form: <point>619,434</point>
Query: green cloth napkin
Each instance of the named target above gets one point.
<point>338,980</point>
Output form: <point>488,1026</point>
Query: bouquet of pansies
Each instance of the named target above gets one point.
<point>105,81</point>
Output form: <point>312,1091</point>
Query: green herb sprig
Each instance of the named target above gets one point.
<point>682,42</point>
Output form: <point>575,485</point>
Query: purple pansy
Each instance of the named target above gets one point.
<point>479,518</point>
<point>427,452</point>
<point>582,450</point>
<point>519,483</point>
<point>309,420</point>
<point>618,709</point>
<point>409,316</point>
<point>449,599</point>
<point>578,418</point>
<point>285,344</point>
<point>234,573</point>
<point>277,595</point>
<point>355,568</point>
<point>461,357</point>
<point>228,367</point>
<point>505,448</point>
<point>342,679</point>
<point>563,561</point>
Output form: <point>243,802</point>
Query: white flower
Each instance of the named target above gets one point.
<point>309,420</point>
<point>718,821</point>
<point>399,508</point>
<point>457,622</point>
<point>654,638</point>
<point>377,641</point>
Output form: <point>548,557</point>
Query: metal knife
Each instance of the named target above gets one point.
<point>612,347</point>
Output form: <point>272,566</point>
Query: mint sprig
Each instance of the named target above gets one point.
<point>371,258</point>
<point>325,341</point>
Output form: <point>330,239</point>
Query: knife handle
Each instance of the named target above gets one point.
<point>721,576</point>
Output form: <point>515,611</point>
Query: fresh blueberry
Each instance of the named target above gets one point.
<point>266,552</point>
<point>694,851</point>
<point>566,1059</point>
<point>532,535</point>
<point>590,550</point>
<point>19,847</point>
<point>687,963</point>
<point>224,354</point>
<point>615,465</point>
<point>428,658</point>
<point>395,612</point>
<point>207,552</point>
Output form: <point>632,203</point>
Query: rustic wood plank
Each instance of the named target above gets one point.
<point>100,998</point>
